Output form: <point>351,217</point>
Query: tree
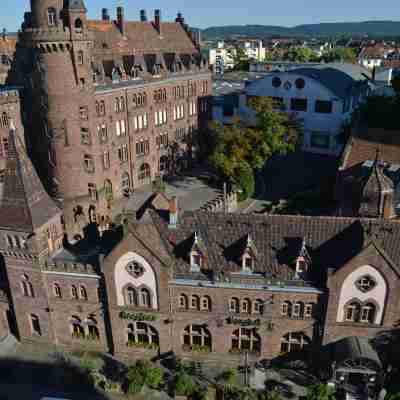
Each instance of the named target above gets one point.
<point>184,385</point>
<point>241,150</point>
<point>300,54</point>
<point>241,60</point>
<point>142,373</point>
<point>320,392</point>
<point>343,54</point>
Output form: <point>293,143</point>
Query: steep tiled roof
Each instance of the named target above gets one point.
<point>331,242</point>
<point>140,38</point>
<point>363,146</point>
<point>25,205</point>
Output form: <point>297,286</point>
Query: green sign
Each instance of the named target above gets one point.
<point>137,316</point>
<point>243,322</point>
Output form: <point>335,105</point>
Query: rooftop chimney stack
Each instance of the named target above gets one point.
<point>104,14</point>
<point>180,19</point>
<point>157,20</point>
<point>120,19</point>
<point>143,16</point>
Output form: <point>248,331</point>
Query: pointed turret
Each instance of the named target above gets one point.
<point>377,194</point>
<point>25,205</point>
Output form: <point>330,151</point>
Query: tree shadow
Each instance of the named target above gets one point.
<point>32,380</point>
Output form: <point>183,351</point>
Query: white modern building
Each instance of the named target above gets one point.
<point>254,50</point>
<point>322,97</point>
<point>222,58</point>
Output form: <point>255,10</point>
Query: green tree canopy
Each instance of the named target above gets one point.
<point>344,54</point>
<point>242,149</point>
<point>300,54</point>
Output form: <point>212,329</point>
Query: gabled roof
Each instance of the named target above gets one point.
<point>141,37</point>
<point>331,241</point>
<point>25,205</point>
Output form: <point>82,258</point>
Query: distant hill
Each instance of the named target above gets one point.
<point>367,28</point>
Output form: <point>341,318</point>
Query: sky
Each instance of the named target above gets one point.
<point>205,13</point>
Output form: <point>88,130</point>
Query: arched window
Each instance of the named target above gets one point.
<point>97,108</point>
<point>353,311</point>
<point>135,100</point>
<point>258,306</point>
<point>77,330</point>
<point>245,339</point>
<point>83,293</point>
<point>234,305</point>
<point>80,57</point>
<point>131,296</point>
<point>197,338</point>
<point>309,310</point>
<point>74,292</point>
<point>5,120</point>
<point>17,242</point>
<point>286,309</point>
<point>298,310</point>
<point>294,341</point>
<point>108,190</point>
<point>26,287</point>
<point>144,174</point>
<point>102,107</point>
<point>93,330</point>
<point>51,16</point>
<point>125,183</point>
<point>145,298</point>
<point>121,104</point>
<point>368,312</point>
<point>195,302</point>
<point>10,242</point>
<point>183,301</point>
<point>78,25</point>
<point>142,335</point>
<point>57,290</point>
<point>164,162</point>
<point>245,306</point>
<point>206,303</point>
<point>35,325</point>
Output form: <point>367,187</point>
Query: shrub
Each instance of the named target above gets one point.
<point>142,373</point>
<point>184,385</point>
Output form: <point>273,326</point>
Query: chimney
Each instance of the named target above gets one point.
<point>120,19</point>
<point>180,19</point>
<point>173,213</point>
<point>143,16</point>
<point>104,14</point>
<point>157,20</point>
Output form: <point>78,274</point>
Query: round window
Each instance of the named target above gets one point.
<point>135,269</point>
<point>300,83</point>
<point>366,284</point>
<point>276,82</point>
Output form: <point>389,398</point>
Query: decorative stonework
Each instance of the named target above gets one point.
<point>135,269</point>
<point>365,284</point>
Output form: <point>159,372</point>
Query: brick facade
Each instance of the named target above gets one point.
<point>90,146</point>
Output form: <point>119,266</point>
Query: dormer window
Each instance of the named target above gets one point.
<point>197,254</point>
<point>248,264</point>
<point>249,255</point>
<point>303,261</point>
<point>195,263</point>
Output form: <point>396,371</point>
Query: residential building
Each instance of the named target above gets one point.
<point>322,97</point>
